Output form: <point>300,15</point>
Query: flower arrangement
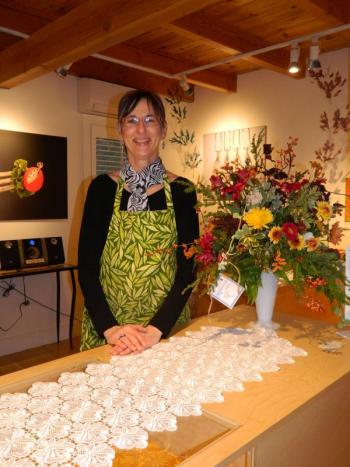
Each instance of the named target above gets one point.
<point>270,217</point>
<point>265,215</point>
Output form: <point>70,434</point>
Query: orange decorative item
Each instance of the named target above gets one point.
<point>347,200</point>
<point>33,178</point>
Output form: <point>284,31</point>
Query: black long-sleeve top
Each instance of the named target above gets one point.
<point>93,234</point>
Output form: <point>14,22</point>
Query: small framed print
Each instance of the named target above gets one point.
<point>227,291</point>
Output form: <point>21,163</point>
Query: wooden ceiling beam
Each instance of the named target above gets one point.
<point>20,21</point>
<point>118,74</point>
<point>195,37</point>
<point>328,11</point>
<point>7,41</point>
<point>208,79</point>
<point>236,40</point>
<point>87,29</point>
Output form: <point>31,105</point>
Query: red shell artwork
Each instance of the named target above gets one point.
<point>33,178</point>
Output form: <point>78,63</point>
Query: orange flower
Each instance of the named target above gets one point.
<point>189,251</point>
<point>316,282</point>
<point>297,244</point>
<point>312,244</point>
<point>278,263</point>
<point>275,234</point>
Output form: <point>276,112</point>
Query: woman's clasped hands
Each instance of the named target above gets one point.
<point>131,338</point>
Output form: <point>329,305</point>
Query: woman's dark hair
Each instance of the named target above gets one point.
<point>130,100</point>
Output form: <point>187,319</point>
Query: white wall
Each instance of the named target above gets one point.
<point>101,95</point>
<point>47,105</point>
<point>289,107</point>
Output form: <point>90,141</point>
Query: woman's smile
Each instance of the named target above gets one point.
<point>142,134</point>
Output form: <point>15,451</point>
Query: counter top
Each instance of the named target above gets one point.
<point>263,406</point>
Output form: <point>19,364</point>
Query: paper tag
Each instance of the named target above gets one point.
<point>227,291</point>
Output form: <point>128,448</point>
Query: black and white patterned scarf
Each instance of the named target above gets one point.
<point>139,182</point>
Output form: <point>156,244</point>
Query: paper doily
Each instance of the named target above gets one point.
<point>81,417</point>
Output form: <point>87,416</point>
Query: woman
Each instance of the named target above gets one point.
<point>131,276</point>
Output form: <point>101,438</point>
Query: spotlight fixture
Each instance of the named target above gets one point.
<point>294,59</point>
<point>62,71</point>
<point>186,87</point>
<point>314,62</point>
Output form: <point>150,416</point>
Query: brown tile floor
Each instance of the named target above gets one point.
<point>30,357</point>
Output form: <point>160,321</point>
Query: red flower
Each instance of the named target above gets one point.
<point>243,175</point>
<point>237,188</point>
<point>288,187</point>
<point>206,240</point>
<point>205,258</point>
<point>206,254</point>
<point>290,230</point>
<point>215,181</point>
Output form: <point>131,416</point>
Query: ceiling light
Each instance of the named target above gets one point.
<point>186,87</point>
<point>314,62</point>
<point>294,59</point>
<point>62,71</point>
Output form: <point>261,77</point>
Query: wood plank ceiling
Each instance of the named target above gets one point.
<point>152,44</point>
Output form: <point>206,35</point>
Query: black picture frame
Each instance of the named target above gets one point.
<point>51,202</point>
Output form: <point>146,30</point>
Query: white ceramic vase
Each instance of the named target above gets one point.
<point>265,301</point>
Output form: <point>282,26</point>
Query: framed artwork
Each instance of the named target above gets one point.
<point>228,146</point>
<point>44,153</point>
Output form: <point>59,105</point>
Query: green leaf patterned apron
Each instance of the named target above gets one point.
<point>138,266</point>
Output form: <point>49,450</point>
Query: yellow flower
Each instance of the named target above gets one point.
<point>312,244</point>
<point>323,210</point>
<point>297,244</point>
<point>275,234</point>
<point>258,218</point>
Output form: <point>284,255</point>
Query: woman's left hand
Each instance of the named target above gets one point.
<point>150,337</point>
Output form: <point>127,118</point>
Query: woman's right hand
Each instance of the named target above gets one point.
<point>126,339</point>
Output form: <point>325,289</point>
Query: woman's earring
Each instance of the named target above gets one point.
<point>163,144</point>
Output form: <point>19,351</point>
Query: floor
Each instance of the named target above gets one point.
<point>27,358</point>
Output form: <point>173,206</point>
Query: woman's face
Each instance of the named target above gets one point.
<point>142,133</point>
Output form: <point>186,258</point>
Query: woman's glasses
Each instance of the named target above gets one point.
<point>148,121</point>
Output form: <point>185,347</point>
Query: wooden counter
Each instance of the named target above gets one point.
<point>299,416</point>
